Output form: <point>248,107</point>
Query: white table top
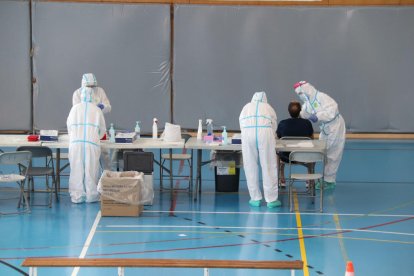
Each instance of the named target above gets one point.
<point>16,140</point>
<point>141,143</point>
<point>281,145</point>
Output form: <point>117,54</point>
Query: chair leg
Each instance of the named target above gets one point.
<point>49,190</point>
<point>55,187</point>
<point>21,185</point>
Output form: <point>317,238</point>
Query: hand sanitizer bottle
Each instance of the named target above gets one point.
<point>154,129</point>
<point>138,129</point>
<point>200,130</point>
<point>112,133</point>
<point>224,136</point>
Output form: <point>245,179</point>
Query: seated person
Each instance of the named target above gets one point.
<point>292,127</point>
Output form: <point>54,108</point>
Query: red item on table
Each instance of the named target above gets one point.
<point>33,138</point>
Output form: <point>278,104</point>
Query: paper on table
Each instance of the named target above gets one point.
<point>304,144</point>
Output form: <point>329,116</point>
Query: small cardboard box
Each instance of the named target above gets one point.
<point>120,193</point>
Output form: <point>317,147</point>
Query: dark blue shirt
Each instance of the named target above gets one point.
<point>293,127</point>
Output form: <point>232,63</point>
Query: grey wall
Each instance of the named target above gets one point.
<point>15,106</point>
<point>362,56</point>
<point>126,46</point>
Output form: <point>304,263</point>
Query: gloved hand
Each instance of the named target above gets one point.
<point>313,118</point>
<point>101,106</point>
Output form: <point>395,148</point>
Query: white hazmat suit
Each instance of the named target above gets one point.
<point>98,94</point>
<point>100,99</point>
<point>319,107</point>
<point>86,126</point>
<point>258,123</point>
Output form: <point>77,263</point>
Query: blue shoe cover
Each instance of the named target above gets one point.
<point>255,203</point>
<point>274,204</point>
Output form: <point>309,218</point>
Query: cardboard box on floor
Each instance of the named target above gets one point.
<point>120,193</point>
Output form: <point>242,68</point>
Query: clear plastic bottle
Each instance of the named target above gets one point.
<point>224,136</point>
<point>210,127</point>
<point>112,133</point>
<point>155,128</point>
<point>138,129</point>
<point>200,130</point>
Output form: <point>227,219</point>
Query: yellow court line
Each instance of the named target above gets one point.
<point>300,235</point>
<point>340,237</point>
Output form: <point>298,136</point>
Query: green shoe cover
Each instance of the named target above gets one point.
<point>326,185</point>
<point>255,203</point>
<point>274,204</point>
<point>329,185</point>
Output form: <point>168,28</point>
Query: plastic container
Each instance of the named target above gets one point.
<point>112,133</point>
<point>224,136</point>
<point>138,129</point>
<point>154,129</point>
<point>200,130</point>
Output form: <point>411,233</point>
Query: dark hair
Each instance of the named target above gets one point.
<point>294,109</point>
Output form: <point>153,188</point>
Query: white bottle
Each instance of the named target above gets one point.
<point>224,136</point>
<point>154,129</point>
<point>200,130</point>
<point>138,129</point>
<point>112,133</point>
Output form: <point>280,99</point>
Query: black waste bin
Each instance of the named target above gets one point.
<point>227,182</point>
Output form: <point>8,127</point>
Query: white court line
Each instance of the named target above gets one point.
<point>88,242</point>
<point>334,230</point>
<point>278,214</point>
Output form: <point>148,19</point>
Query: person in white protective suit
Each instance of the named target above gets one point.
<point>258,123</point>
<point>319,107</point>
<point>86,126</point>
<point>100,99</point>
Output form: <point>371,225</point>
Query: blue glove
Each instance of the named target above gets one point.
<point>313,118</point>
<point>101,106</point>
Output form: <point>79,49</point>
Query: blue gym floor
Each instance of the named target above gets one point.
<point>368,219</point>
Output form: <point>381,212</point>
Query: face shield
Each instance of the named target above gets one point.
<point>89,80</point>
<point>299,91</point>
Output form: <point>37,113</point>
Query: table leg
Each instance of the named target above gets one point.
<point>171,171</point>
<point>198,177</point>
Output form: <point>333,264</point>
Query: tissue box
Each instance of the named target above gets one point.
<point>49,135</point>
<point>125,137</point>
<point>208,138</point>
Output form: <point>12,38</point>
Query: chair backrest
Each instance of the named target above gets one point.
<point>295,138</point>
<point>139,161</point>
<point>16,158</point>
<point>306,156</point>
<point>40,151</point>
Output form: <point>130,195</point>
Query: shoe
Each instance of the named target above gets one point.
<point>274,204</point>
<point>255,203</point>
<point>326,185</point>
<point>329,185</point>
<point>282,184</point>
